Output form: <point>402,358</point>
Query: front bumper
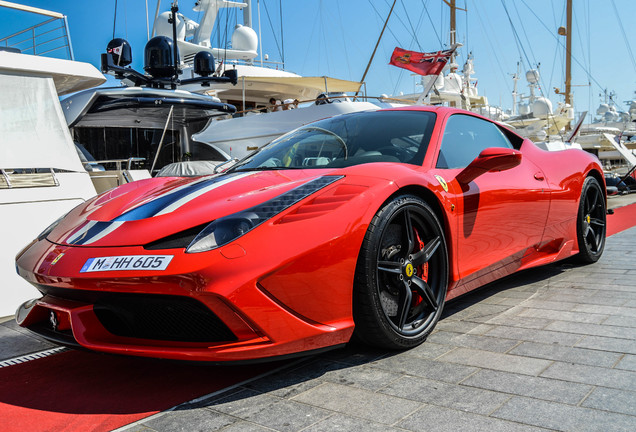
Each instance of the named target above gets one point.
<point>192,311</point>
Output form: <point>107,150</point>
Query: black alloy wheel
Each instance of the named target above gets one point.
<point>401,275</point>
<point>591,222</point>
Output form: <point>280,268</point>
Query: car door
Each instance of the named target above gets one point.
<point>500,215</point>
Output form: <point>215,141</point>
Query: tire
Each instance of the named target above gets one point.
<point>591,222</point>
<point>401,275</point>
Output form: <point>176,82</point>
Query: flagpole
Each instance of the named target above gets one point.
<point>431,82</point>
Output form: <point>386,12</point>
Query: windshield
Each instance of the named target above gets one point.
<point>347,140</point>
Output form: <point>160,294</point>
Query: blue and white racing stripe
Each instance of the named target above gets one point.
<point>174,199</point>
<point>167,203</point>
<point>93,231</point>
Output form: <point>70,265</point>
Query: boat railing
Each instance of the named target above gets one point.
<point>27,178</point>
<point>318,101</point>
<point>118,162</point>
<point>189,61</point>
<point>49,38</point>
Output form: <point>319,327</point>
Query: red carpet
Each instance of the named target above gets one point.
<point>81,391</point>
<point>622,219</point>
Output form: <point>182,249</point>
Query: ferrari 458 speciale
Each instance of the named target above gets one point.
<point>358,225</point>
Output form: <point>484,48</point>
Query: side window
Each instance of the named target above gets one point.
<point>465,137</point>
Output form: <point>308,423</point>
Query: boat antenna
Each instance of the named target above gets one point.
<point>147,24</point>
<point>364,75</point>
<point>174,9</point>
<point>115,19</point>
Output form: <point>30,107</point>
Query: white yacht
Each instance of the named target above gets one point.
<point>41,174</point>
<point>257,121</point>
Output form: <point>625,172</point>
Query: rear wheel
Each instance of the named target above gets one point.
<point>591,222</point>
<point>401,275</point>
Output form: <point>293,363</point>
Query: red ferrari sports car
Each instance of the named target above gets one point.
<point>362,224</point>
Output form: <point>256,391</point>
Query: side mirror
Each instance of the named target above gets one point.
<point>490,159</point>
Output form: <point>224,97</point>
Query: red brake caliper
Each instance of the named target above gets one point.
<point>422,271</point>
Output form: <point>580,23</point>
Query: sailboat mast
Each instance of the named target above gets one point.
<point>568,54</point>
<point>452,4</point>
<point>453,26</point>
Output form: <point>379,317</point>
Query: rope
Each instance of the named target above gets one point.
<point>269,19</point>
<point>620,23</point>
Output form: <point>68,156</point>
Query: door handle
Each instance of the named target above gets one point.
<point>539,176</point>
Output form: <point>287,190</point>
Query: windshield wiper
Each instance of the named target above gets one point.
<point>265,169</point>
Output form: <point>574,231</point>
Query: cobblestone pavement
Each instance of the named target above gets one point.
<point>551,348</point>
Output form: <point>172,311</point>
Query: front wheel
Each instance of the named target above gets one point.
<point>401,276</point>
<point>591,222</point>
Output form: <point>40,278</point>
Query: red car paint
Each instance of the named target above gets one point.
<point>286,286</point>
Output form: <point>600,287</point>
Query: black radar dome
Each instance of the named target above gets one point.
<point>159,57</point>
<point>121,52</point>
<point>204,63</point>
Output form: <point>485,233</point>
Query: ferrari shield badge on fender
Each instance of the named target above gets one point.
<point>441,181</point>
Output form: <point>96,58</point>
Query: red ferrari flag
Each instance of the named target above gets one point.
<point>421,63</point>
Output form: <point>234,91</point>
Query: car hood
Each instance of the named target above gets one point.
<point>144,211</point>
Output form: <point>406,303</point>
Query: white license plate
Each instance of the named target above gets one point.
<point>127,262</point>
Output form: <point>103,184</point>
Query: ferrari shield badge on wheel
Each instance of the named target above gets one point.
<point>363,225</point>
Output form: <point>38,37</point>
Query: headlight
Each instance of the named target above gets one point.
<point>226,229</point>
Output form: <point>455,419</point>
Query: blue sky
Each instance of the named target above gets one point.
<point>336,38</point>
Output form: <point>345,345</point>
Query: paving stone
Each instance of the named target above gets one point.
<point>355,353</point>
<point>591,300</point>
<point>563,417</point>
<point>497,361</point>
<point>613,378</point>
<point>462,327</point>
<point>15,343</point>
<point>453,396</point>
<point>619,401</point>
<point>268,411</point>
<point>429,350</point>
<point>512,294</point>
<point>138,428</point>
<point>243,426</point>
<point>564,316</point>
<point>609,288</point>
<point>517,321</point>
<point>198,419</point>
<point>288,416</point>
<point>543,304</point>
<point>627,363</point>
<point>523,385</point>
<point>285,385</point>
<point>533,335</point>
<point>358,403</point>
<point>509,301</point>
<point>593,329</point>
<point>240,403</point>
<point>362,377</point>
<point>432,369</point>
<point>566,354</point>
<point>473,341</point>
<point>430,418</point>
<point>486,310</point>
<point>342,423</point>
<point>626,346</point>
<point>621,321</point>
<point>609,310</point>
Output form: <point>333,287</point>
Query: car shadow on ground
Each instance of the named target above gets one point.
<point>355,364</point>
